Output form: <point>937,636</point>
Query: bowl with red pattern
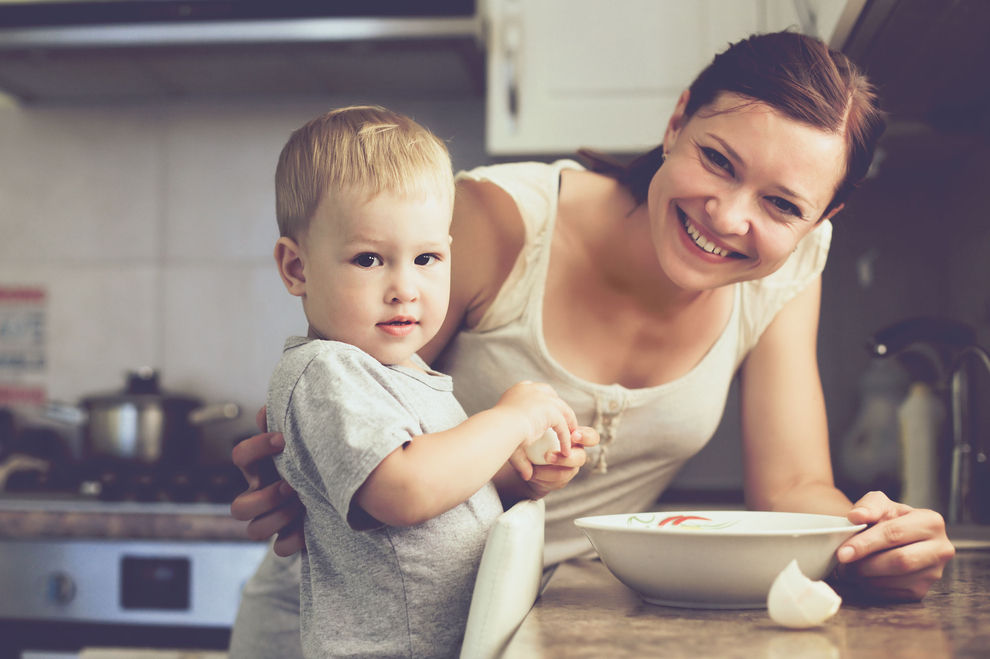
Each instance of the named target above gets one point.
<point>714,559</point>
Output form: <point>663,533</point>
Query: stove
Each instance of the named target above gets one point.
<point>119,555</point>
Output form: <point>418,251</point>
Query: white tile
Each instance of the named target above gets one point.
<point>80,184</point>
<point>224,329</point>
<point>220,170</point>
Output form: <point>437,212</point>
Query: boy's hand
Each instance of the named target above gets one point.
<point>539,408</point>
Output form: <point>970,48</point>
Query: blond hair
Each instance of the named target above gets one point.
<point>365,150</point>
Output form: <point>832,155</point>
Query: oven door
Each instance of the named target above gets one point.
<point>69,594</point>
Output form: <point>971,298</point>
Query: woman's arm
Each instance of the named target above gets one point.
<point>269,505</point>
<point>788,467</point>
<point>487,235</point>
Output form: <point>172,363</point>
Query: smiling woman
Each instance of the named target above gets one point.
<point>638,292</point>
<point>740,182</point>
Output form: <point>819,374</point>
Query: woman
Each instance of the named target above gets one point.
<point>638,292</point>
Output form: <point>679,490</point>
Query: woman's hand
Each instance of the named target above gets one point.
<point>526,480</point>
<point>268,504</point>
<point>899,556</point>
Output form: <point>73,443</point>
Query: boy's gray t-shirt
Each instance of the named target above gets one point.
<point>368,588</point>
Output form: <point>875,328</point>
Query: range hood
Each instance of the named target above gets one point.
<point>929,58</point>
<point>85,50</point>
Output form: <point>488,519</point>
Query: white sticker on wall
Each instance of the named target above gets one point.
<point>22,344</point>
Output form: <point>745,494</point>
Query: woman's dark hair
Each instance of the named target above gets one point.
<point>797,75</point>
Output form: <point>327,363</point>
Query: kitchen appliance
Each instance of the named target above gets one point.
<point>66,594</point>
<point>117,553</point>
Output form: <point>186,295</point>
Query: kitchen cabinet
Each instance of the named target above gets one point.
<point>563,74</point>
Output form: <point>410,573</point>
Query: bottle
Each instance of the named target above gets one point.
<point>870,451</point>
<point>921,417</point>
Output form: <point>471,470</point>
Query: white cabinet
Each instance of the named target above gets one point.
<point>605,74</point>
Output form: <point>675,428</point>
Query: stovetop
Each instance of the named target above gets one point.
<point>68,504</point>
<point>85,487</point>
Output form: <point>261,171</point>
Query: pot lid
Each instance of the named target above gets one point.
<point>142,385</point>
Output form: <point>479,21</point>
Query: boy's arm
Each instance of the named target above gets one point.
<point>435,472</point>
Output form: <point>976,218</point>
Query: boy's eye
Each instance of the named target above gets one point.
<point>786,206</point>
<point>426,259</point>
<point>717,159</point>
<point>367,260</point>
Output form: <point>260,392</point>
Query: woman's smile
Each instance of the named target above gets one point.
<point>708,245</point>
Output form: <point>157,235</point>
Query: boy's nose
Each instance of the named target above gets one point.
<point>401,288</point>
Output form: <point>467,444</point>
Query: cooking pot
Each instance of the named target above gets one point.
<point>142,423</point>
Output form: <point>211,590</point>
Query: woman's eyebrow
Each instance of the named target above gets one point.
<point>735,156</point>
<point>725,145</point>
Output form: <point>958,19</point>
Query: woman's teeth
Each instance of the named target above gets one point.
<point>700,240</point>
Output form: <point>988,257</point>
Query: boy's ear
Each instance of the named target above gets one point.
<point>289,260</point>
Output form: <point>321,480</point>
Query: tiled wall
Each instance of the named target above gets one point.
<point>151,229</point>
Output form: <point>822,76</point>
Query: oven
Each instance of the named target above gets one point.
<point>123,556</point>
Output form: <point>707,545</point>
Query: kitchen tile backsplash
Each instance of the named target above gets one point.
<point>77,183</point>
<point>151,229</point>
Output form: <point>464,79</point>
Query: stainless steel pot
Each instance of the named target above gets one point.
<point>142,423</point>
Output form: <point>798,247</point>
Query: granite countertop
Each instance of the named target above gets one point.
<point>50,519</point>
<point>586,612</point>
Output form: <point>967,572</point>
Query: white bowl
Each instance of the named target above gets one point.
<point>714,559</point>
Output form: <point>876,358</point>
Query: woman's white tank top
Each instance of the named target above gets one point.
<point>646,434</point>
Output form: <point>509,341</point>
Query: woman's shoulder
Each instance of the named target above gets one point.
<point>514,200</point>
<point>761,299</point>
<point>519,174</point>
<point>806,263</point>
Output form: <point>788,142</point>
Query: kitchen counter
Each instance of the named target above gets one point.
<point>586,612</point>
<point>76,519</point>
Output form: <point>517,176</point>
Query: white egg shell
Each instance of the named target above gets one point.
<point>798,602</point>
<point>536,451</point>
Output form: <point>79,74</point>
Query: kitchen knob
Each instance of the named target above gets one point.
<point>61,588</point>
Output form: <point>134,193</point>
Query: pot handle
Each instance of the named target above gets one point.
<point>213,413</point>
<point>65,413</point>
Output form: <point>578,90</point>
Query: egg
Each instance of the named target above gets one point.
<point>797,602</point>
<point>537,450</point>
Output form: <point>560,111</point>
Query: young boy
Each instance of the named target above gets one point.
<point>395,479</point>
